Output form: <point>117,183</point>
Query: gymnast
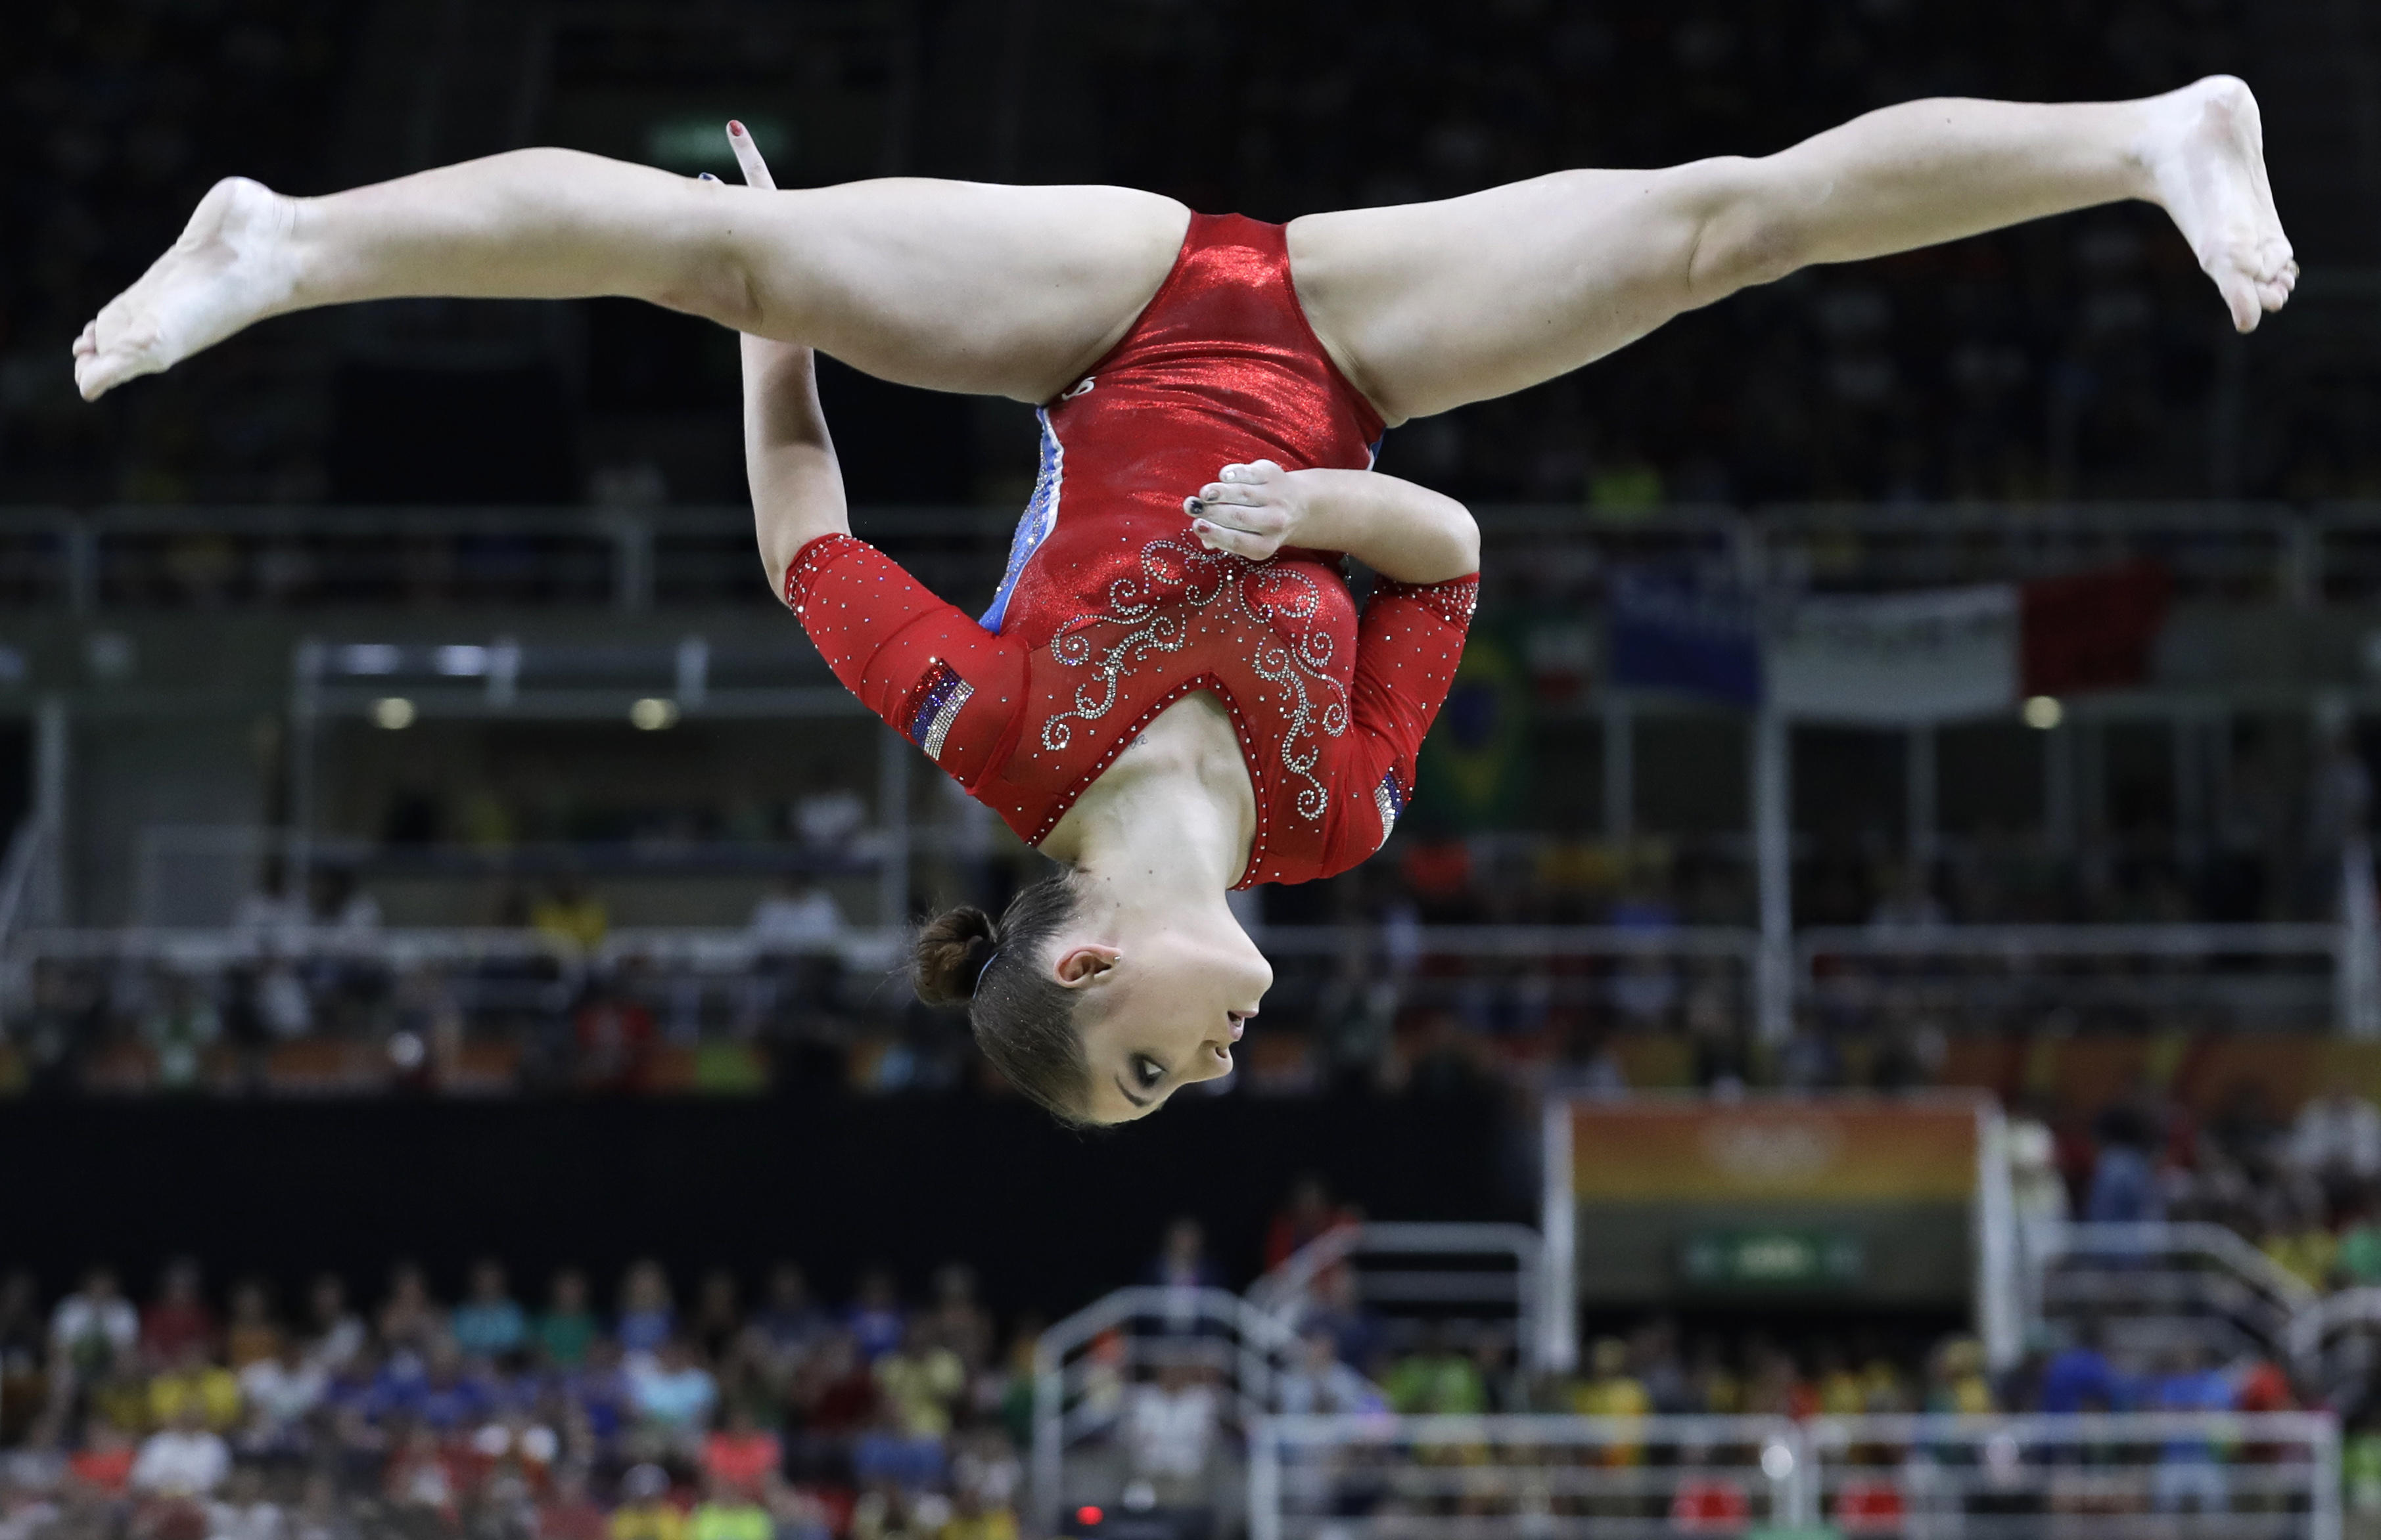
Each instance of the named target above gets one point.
<point>1172,694</point>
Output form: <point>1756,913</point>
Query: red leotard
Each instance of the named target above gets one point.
<point>1112,611</point>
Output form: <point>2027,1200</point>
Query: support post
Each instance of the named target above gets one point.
<point>1619,769</point>
<point>1918,800</point>
<point>2058,789</point>
<point>305,717</point>
<point>1559,1223</point>
<point>1773,849</point>
<point>2356,975</point>
<point>53,751</point>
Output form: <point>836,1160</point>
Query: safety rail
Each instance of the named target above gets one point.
<point>2233,1476</point>
<point>1287,1291</point>
<point>1086,1366</point>
<point>2257,975</point>
<point>1523,1475</point>
<point>2165,1282</point>
<point>635,557</point>
<point>1467,969</point>
<point>2324,1325</point>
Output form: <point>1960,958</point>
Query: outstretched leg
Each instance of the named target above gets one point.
<point>952,285</point>
<point>1428,306</point>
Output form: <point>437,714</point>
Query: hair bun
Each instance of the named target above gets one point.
<point>950,952</point>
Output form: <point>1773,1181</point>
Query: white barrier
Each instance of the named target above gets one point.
<point>2262,1476</point>
<point>1286,1291</point>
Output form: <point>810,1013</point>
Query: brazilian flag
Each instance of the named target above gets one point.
<point>1473,772</point>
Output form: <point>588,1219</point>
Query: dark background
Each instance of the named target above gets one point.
<point>1050,1218</point>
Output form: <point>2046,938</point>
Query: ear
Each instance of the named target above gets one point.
<point>1078,966</point>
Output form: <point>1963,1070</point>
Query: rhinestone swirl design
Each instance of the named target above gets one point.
<point>1150,613</point>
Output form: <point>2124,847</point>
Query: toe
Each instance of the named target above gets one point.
<point>2240,297</point>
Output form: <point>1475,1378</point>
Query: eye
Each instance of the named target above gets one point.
<point>1147,1072</point>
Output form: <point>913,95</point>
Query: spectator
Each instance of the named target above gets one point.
<point>489,1323</point>
<point>184,1459</point>
<point>741,1453</point>
<point>2037,1192</point>
<point>195,1380</point>
<point>957,1321</point>
<point>567,1512</point>
<point>451,1394</point>
<point>571,917</point>
<point>1183,1268</point>
<point>718,1314</point>
<point>253,1335</point>
<point>1308,1216</point>
<point>648,1316</point>
<point>796,916</point>
<point>2079,1378</point>
<point>419,1480</point>
<point>729,1512</point>
<point>1337,1308</point>
<point>1956,1382</point>
<point>673,1396</point>
<point>645,1511</point>
<point>2124,1185</point>
<point>104,1462</point>
<point>1610,1390</point>
<point>1169,1432</point>
<point>1321,1383</point>
<point>24,1381</point>
<point>245,1511</point>
<point>567,1327</point>
<point>280,1394</point>
<point>920,1382</point>
<point>335,1332</point>
<point>1438,1380</point>
<point>2338,1137</point>
<point>409,1319</point>
<point>2356,1262</point>
<point>95,1327</point>
<point>875,1320</point>
<point>2188,1473</point>
<point>179,1315</point>
<point>790,1321</point>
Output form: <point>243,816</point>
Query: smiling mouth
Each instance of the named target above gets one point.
<point>1239,1020</point>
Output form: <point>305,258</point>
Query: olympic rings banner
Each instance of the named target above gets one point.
<point>1852,1198</point>
<point>1820,1151</point>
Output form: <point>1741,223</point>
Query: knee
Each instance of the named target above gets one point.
<point>1745,233</point>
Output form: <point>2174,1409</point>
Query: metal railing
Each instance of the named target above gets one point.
<point>1287,1292</point>
<point>634,558</point>
<point>2238,1476</point>
<point>2163,1283</point>
<point>1087,1367</point>
<point>1967,975</point>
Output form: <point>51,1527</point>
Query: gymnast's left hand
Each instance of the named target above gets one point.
<point>1250,510</point>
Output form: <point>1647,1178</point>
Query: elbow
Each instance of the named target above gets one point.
<point>1463,542</point>
<point>1741,236</point>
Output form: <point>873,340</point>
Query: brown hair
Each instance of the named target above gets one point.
<point>1022,1018</point>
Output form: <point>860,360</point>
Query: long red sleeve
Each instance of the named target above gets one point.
<point>1407,649</point>
<point>937,678</point>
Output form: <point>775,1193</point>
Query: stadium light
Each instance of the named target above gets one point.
<point>393,712</point>
<point>2042,712</point>
<point>653,713</point>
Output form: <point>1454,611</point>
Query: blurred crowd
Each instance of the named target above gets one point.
<point>571,1417</point>
<point>2304,1189</point>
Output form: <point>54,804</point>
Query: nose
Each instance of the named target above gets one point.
<point>1214,1064</point>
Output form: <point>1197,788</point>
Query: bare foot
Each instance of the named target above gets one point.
<point>2205,153</point>
<point>230,269</point>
